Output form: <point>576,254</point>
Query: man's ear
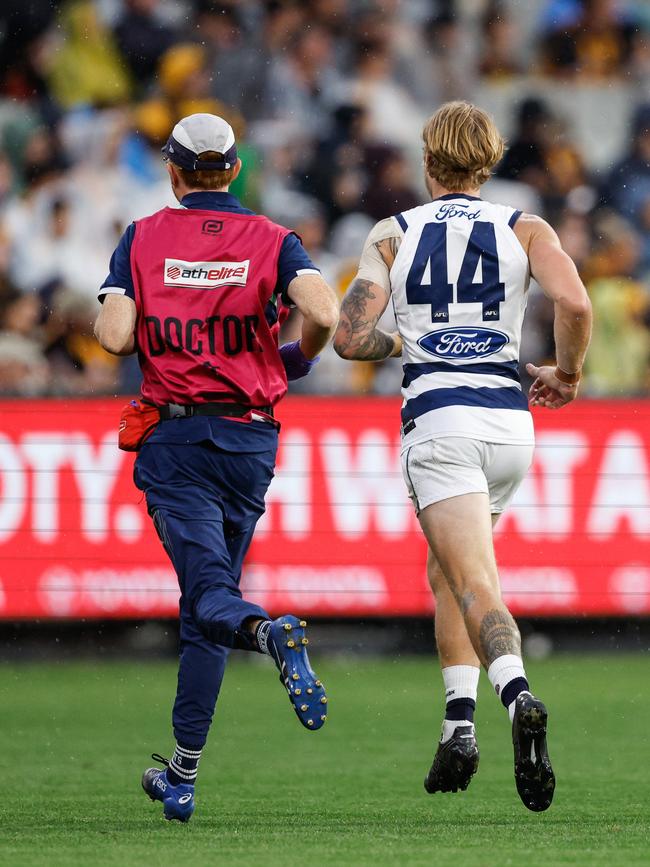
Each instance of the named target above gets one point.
<point>174,177</point>
<point>236,169</point>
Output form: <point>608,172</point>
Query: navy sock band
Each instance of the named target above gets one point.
<point>511,690</point>
<point>460,709</point>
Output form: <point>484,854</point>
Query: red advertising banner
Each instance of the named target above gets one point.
<point>339,537</point>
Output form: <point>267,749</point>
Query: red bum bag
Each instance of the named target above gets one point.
<point>138,421</point>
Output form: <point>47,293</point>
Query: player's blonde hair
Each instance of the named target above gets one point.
<point>461,146</point>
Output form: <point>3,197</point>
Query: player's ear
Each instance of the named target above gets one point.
<point>174,177</point>
<point>236,169</point>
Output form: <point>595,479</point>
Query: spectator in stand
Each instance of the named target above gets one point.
<point>627,187</point>
<point>390,189</point>
<point>303,83</point>
<point>238,57</point>
<point>23,367</point>
<point>501,42</point>
<point>55,249</point>
<point>619,359</point>
<point>342,149</point>
<point>589,40</point>
<point>143,37</point>
<point>78,364</point>
<point>25,30</point>
<point>374,87</point>
<point>24,370</point>
<point>543,156</point>
<point>524,159</point>
<point>184,87</point>
<point>644,228</point>
<point>87,67</point>
<point>564,169</point>
<point>451,56</point>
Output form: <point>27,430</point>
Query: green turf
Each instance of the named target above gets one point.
<point>76,737</point>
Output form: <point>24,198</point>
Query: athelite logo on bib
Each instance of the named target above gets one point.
<point>205,275</point>
<point>464,343</point>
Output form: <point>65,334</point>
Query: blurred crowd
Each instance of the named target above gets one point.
<point>327,99</point>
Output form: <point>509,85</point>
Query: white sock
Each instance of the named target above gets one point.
<point>449,726</point>
<point>511,706</point>
<point>502,672</point>
<point>461,682</point>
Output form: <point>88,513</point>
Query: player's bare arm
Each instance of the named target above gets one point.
<point>556,273</point>
<point>317,302</point>
<point>115,325</point>
<point>357,335</point>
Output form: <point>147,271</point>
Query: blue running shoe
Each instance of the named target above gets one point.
<point>288,646</point>
<point>178,801</point>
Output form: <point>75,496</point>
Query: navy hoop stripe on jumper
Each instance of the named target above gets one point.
<point>486,398</point>
<point>507,369</point>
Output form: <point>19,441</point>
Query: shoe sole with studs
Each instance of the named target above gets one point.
<point>533,772</point>
<point>305,690</point>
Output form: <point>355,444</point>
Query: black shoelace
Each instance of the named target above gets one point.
<point>158,758</point>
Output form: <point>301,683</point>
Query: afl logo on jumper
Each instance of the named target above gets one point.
<point>205,275</point>
<point>463,342</point>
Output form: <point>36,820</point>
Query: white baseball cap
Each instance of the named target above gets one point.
<point>196,134</point>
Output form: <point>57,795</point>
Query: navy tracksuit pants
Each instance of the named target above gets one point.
<point>205,498</point>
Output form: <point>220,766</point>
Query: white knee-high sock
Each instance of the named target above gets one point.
<point>508,677</point>
<point>461,684</point>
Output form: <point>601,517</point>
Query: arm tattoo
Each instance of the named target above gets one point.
<point>498,635</point>
<point>358,336</point>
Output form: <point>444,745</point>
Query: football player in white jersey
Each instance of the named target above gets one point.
<point>457,270</point>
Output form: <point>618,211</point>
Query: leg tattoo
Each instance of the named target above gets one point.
<point>498,635</point>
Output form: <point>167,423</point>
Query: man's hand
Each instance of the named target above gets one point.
<point>549,391</point>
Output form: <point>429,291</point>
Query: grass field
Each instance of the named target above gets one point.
<point>76,738</point>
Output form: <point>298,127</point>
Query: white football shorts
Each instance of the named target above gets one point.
<point>438,469</point>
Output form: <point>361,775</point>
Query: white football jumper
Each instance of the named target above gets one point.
<point>459,286</point>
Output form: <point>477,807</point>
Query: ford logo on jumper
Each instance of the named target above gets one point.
<point>463,342</point>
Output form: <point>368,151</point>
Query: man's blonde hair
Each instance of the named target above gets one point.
<point>461,146</point>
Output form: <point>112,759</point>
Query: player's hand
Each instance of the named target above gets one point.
<point>296,364</point>
<point>547,390</point>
